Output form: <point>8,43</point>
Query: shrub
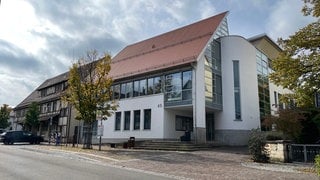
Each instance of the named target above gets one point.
<point>272,135</point>
<point>317,164</point>
<point>256,144</point>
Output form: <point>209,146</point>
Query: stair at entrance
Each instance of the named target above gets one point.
<point>173,146</point>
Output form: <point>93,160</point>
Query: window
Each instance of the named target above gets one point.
<point>157,85</point>
<point>150,86</point>
<point>116,92</point>
<point>117,121</point>
<point>275,98</point>
<point>136,124</point>
<point>136,88</point>
<point>236,84</point>
<point>147,119</point>
<point>143,87</point>
<point>127,120</point>
<point>173,87</point>
<point>187,85</point>
<point>123,91</point>
<point>184,123</point>
<point>129,90</point>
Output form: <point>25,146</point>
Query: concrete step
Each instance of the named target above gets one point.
<point>173,146</point>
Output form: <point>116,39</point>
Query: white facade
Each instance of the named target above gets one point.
<point>227,119</point>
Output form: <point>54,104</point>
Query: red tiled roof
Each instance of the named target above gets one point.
<point>177,47</point>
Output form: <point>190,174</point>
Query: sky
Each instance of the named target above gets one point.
<point>40,39</point>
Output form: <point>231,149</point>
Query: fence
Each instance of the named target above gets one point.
<point>303,152</point>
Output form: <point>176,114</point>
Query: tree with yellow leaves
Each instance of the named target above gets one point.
<point>89,90</point>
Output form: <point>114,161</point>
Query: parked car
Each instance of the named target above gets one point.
<point>2,131</point>
<point>11,137</point>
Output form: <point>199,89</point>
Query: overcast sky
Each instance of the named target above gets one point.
<point>40,39</point>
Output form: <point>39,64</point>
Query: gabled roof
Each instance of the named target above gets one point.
<point>55,80</point>
<point>35,95</point>
<point>174,48</point>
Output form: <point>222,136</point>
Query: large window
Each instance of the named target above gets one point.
<point>136,123</point>
<point>116,91</point>
<point>136,88</point>
<point>186,85</point>
<point>236,84</point>
<point>143,87</point>
<point>157,85</point>
<point>123,91</point>
<point>129,90</point>
<point>117,121</point>
<point>147,119</point>
<point>150,86</point>
<point>178,86</point>
<point>127,115</point>
<point>263,84</point>
<point>184,123</point>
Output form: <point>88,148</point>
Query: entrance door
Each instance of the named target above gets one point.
<point>210,126</point>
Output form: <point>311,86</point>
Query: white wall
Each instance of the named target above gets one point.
<point>153,102</point>
<point>238,48</point>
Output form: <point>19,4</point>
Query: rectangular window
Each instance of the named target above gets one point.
<point>123,91</point>
<point>117,121</point>
<point>173,87</point>
<point>147,119</point>
<point>275,98</point>
<point>136,124</point>
<point>187,85</point>
<point>143,87</point>
<point>129,90</point>
<point>116,91</point>
<point>236,85</point>
<point>184,123</point>
<point>150,86</point>
<point>127,115</point>
<point>136,88</point>
<point>157,85</point>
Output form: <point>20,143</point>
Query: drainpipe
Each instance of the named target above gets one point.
<point>193,65</point>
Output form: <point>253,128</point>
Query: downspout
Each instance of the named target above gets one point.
<point>193,65</point>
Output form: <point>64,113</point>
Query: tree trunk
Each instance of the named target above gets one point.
<point>87,136</point>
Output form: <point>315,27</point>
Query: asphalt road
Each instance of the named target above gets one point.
<point>23,162</point>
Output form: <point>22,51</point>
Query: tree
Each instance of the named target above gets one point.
<point>32,118</point>
<point>287,121</point>
<point>298,66</point>
<point>89,90</point>
<point>4,116</point>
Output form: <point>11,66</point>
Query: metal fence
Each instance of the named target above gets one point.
<point>303,152</point>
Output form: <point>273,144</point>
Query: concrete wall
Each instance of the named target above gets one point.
<point>277,151</point>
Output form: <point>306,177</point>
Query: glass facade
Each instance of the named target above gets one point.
<point>263,83</point>
<point>213,84</point>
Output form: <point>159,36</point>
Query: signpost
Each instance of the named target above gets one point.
<point>100,130</point>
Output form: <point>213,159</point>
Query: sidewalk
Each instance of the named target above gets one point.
<point>218,163</point>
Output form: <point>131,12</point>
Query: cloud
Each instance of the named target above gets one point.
<point>286,18</point>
